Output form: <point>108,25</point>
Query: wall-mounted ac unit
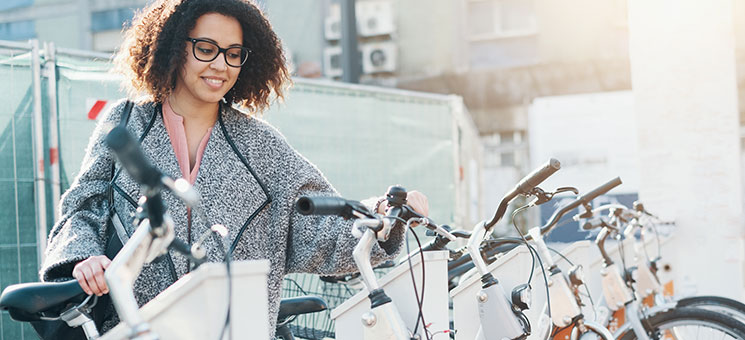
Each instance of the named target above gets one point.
<point>374,17</point>
<point>379,57</point>
<point>332,23</point>
<point>332,61</point>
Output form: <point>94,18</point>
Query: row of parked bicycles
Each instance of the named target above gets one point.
<point>632,305</point>
<point>632,294</point>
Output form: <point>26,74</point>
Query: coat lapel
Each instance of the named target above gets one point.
<point>157,148</point>
<point>230,193</point>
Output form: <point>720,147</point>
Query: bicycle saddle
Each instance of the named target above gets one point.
<point>25,299</point>
<point>300,305</point>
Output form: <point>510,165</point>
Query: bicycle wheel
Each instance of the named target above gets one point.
<point>690,323</point>
<point>733,308</point>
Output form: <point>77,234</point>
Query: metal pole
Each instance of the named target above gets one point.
<point>350,54</point>
<point>38,150</point>
<point>50,70</point>
<point>86,33</point>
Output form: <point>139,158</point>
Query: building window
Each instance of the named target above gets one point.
<point>491,19</point>
<point>110,20</point>
<point>18,30</point>
<point>505,149</point>
<point>13,4</point>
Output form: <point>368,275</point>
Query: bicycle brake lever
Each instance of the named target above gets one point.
<point>565,189</point>
<point>540,196</point>
<point>588,212</point>
<point>441,231</point>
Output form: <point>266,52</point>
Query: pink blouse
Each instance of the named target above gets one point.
<point>177,133</point>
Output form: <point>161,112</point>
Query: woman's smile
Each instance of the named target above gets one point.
<point>214,82</point>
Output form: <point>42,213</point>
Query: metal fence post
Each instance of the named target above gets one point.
<point>350,53</point>
<point>50,71</point>
<point>38,148</point>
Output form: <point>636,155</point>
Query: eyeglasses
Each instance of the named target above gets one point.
<point>205,50</point>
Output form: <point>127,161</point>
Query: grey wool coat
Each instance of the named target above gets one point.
<point>262,176</point>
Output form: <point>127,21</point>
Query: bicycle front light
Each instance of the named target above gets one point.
<point>521,297</point>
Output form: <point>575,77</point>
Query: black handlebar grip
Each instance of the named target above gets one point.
<point>539,175</point>
<point>127,149</point>
<point>321,205</point>
<point>588,197</point>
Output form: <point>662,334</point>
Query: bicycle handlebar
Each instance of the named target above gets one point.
<point>525,185</point>
<point>538,176</point>
<point>306,205</point>
<point>588,197</point>
<point>584,199</point>
<point>319,205</point>
<point>128,151</point>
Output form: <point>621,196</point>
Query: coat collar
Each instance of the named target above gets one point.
<point>231,192</point>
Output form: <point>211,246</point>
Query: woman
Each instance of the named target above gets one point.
<point>193,58</point>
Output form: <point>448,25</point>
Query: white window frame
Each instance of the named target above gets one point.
<point>497,32</point>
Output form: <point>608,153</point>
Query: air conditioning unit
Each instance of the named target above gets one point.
<point>332,61</point>
<point>374,17</point>
<point>379,57</point>
<point>332,23</point>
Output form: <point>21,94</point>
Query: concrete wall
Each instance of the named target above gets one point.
<point>685,94</point>
<point>581,30</point>
<point>593,135</point>
<point>300,26</point>
<point>426,36</point>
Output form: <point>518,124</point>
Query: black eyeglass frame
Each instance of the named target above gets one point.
<point>224,51</point>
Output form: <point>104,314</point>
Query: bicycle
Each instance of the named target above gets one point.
<point>658,316</point>
<point>66,301</point>
<point>659,319</point>
<point>383,320</point>
<point>641,324</point>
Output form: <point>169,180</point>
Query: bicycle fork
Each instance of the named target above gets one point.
<point>383,321</point>
<point>498,320</point>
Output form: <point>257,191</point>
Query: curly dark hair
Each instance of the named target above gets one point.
<point>154,49</point>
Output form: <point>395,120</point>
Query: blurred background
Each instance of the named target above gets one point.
<point>467,96</point>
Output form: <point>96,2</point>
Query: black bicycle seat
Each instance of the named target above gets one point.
<point>36,297</point>
<point>300,305</point>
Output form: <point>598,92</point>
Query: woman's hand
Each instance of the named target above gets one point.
<point>415,199</point>
<point>418,202</point>
<point>89,274</point>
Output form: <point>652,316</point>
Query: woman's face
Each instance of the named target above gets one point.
<point>207,82</point>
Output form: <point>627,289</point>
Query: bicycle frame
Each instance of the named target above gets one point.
<point>616,292</point>
<point>383,321</point>
<point>498,321</point>
<point>141,248</point>
<point>565,303</point>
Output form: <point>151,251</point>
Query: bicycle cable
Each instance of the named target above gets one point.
<point>587,290</point>
<point>653,225</point>
<point>514,224</point>
<point>622,253</point>
<point>534,255</point>
<point>419,300</point>
<point>227,259</point>
<point>200,212</point>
